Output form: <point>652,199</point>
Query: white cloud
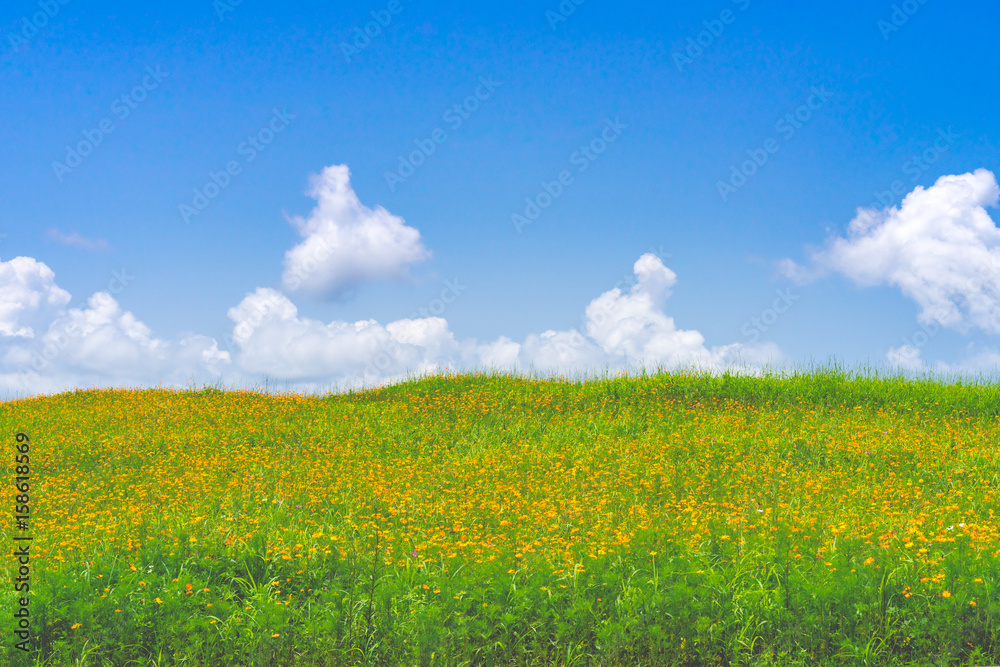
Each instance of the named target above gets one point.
<point>273,340</point>
<point>51,347</point>
<point>28,296</point>
<point>346,243</point>
<point>101,345</point>
<point>77,241</point>
<point>976,362</point>
<point>620,330</point>
<point>906,357</point>
<point>627,330</point>
<point>939,247</point>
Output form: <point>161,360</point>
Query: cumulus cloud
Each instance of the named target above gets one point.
<point>620,330</point>
<point>47,346</point>
<point>939,247</point>
<point>29,296</point>
<point>97,344</point>
<point>100,344</point>
<point>346,243</point>
<point>274,340</point>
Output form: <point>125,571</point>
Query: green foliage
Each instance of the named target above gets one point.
<point>658,602</point>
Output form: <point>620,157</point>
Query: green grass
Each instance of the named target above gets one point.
<point>811,518</point>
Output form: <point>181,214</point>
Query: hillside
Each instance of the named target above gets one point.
<point>671,519</point>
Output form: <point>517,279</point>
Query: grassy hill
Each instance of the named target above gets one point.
<point>674,519</point>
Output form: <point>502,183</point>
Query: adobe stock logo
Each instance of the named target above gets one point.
<point>582,158</point>
<point>122,108</point>
<point>29,27</point>
<point>218,181</point>
<point>786,127</point>
<point>565,9</point>
<point>900,16</point>
<point>363,38</point>
<point>713,30</point>
<point>915,168</point>
<point>387,354</point>
<point>56,341</point>
<point>767,318</point>
<point>223,7</point>
<point>454,116</point>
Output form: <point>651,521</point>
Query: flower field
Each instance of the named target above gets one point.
<point>671,519</point>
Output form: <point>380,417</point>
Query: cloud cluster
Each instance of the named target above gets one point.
<point>29,296</point>
<point>100,345</point>
<point>939,247</point>
<point>346,243</point>
<point>46,346</point>
<point>976,361</point>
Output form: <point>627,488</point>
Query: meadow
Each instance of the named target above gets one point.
<point>813,518</point>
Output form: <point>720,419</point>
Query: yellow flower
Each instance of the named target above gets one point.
<point>75,626</point>
<point>946,594</point>
<point>869,560</point>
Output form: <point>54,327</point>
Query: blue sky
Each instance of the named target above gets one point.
<point>170,168</point>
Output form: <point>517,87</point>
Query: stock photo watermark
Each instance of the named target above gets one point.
<point>249,149</point>
<point>767,318</point>
<point>43,355</point>
<point>22,554</point>
<point>581,158</point>
<point>908,353</point>
<point>559,15</point>
<point>714,28</point>
<point>223,7</point>
<point>387,353</point>
<point>121,108</point>
<point>899,17</point>
<point>600,311</point>
<point>454,116</point>
<point>915,167</point>
<point>786,127</point>
<point>30,25</point>
<point>381,19</point>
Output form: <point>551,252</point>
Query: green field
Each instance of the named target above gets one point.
<point>818,518</point>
